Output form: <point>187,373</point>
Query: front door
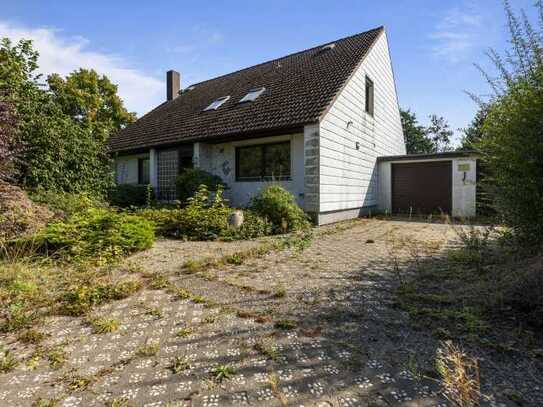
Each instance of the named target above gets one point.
<point>170,164</point>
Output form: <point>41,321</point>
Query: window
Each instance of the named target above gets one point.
<point>143,171</point>
<point>265,162</point>
<point>369,96</point>
<point>252,95</point>
<point>217,103</point>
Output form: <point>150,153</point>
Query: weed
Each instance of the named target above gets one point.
<point>267,350</point>
<point>46,402</point>
<point>179,364</point>
<point>158,282</point>
<point>459,375</point>
<point>56,357</point>
<point>182,294</point>
<point>79,383</point>
<point>7,361</point>
<point>198,299</point>
<point>154,311</point>
<point>210,319</point>
<point>280,292</point>
<point>183,332</point>
<point>223,372</point>
<point>285,324</point>
<point>31,336</point>
<point>104,325</point>
<point>147,350</point>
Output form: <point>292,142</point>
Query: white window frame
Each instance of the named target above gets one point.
<point>217,103</point>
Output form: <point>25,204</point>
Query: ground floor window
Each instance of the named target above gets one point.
<point>143,171</point>
<point>263,162</point>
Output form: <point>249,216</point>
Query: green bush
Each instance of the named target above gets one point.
<point>280,208</point>
<point>98,233</point>
<point>166,220</point>
<point>190,179</point>
<point>65,203</point>
<point>202,219</point>
<point>253,226</point>
<point>126,195</point>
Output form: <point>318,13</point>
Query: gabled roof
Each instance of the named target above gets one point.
<point>299,89</point>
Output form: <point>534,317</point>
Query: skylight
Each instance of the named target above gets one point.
<point>328,46</point>
<point>217,103</point>
<point>252,95</point>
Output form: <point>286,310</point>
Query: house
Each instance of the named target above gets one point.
<point>315,121</point>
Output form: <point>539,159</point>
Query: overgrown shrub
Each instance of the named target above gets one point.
<point>202,219</point>
<point>280,208</point>
<point>126,195</point>
<point>253,226</point>
<point>190,179</point>
<point>98,233</point>
<point>166,220</point>
<point>66,204</point>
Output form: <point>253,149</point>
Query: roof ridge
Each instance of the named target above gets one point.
<point>380,28</point>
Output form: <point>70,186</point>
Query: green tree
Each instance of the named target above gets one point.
<point>65,128</point>
<point>512,146</point>
<point>90,100</point>
<point>416,141</point>
<point>439,133</point>
<point>473,134</point>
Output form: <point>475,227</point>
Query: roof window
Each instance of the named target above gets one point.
<point>217,103</point>
<point>252,95</point>
<point>328,47</point>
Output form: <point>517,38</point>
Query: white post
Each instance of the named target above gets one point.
<point>153,168</point>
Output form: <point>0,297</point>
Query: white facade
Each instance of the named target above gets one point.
<point>464,184</point>
<point>220,159</point>
<point>350,140</point>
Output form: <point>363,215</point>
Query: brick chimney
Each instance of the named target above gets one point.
<point>173,84</point>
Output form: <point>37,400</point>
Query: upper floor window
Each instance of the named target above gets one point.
<point>217,103</point>
<point>369,96</point>
<point>252,95</point>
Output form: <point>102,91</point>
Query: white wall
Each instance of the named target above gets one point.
<point>464,190</point>
<point>349,177</point>
<point>126,168</point>
<point>220,159</point>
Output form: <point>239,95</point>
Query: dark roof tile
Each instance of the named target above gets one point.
<point>299,88</point>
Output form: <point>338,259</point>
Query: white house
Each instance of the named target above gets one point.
<point>315,121</point>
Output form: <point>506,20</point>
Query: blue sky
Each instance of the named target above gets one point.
<point>434,43</point>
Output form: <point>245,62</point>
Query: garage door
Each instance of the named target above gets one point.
<point>422,187</point>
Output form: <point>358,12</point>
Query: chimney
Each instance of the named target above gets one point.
<point>173,84</point>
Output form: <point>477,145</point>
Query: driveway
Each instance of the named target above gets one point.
<point>290,327</point>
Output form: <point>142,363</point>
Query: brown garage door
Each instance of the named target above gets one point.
<point>422,187</point>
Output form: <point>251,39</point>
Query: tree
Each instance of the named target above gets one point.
<point>439,133</point>
<point>414,134</point>
<point>512,146</point>
<point>90,100</point>
<point>65,127</point>
<point>473,134</point>
<point>11,147</point>
<point>425,140</point>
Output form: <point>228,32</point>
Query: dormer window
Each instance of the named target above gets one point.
<point>252,95</point>
<point>217,103</point>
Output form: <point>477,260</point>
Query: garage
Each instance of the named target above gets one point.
<point>422,187</point>
<point>422,184</point>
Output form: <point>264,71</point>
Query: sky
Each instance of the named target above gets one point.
<point>434,43</point>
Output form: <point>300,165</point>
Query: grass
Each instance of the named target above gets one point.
<point>267,349</point>
<point>150,349</point>
<point>56,357</point>
<point>280,292</point>
<point>183,332</point>
<point>223,372</point>
<point>459,374</point>
<point>104,325</point>
<point>285,324</point>
<point>31,336</point>
<point>8,362</point>
<point>179,364</point>
<point>32,289</point>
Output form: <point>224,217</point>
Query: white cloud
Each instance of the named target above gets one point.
<point>139,91</point>
<point>458,33</point>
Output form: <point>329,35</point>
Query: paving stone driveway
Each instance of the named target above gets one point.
<point>347,347</point>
